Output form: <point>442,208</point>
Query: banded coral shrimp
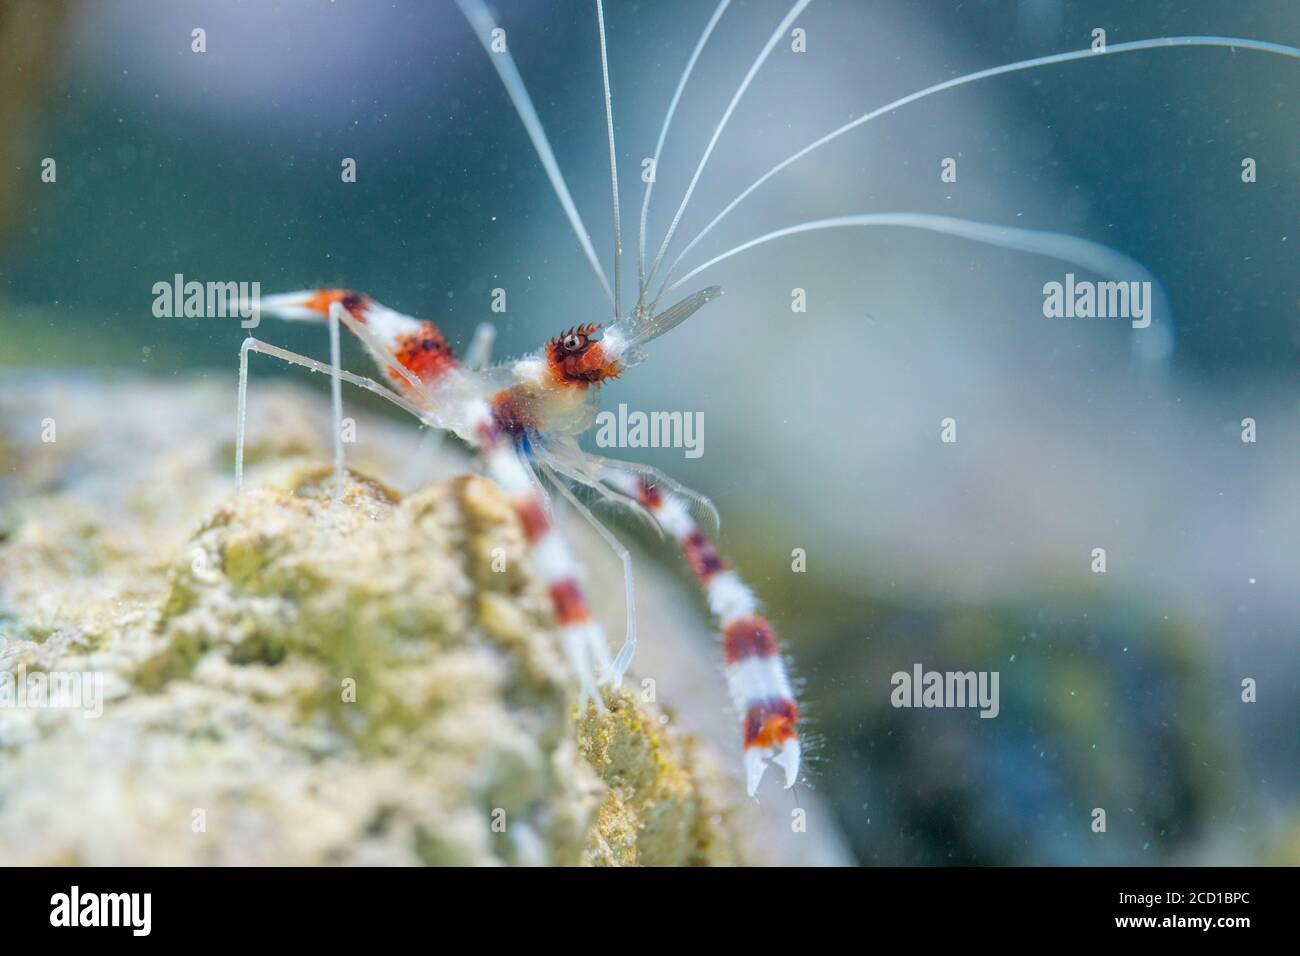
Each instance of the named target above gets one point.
<point>524,418</point>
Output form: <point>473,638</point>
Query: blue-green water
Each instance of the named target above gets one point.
<point>824,424</point>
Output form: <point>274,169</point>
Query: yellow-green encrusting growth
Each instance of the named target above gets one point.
<point>319,679</point>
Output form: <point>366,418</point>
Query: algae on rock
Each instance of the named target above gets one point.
<point>315,675</point>
<point>290,679</point>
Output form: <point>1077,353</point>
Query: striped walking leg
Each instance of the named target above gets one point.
<point>582,636</point>
<point>756,675</point>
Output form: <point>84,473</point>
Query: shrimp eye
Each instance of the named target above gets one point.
<point>573,342</point>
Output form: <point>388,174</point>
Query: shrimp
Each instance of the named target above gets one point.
<point>523,418</point>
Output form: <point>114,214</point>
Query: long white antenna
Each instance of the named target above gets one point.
<point>613,164</point>
<point>482,23</point>
<point>1093,256</point>
<point>1130,47</point>
<point>777,34</point>
<point>663,135</point>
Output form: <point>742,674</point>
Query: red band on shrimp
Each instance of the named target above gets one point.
<point>701,557</point>
<point>649,495</point>
<point>567,602</point>
<point>510,417</point>
<point>532,516</point>
<point>353,302</point>
<point>425,354</point>
<point>748,637</point>
<point>771,723</point>
<point>577,359</point>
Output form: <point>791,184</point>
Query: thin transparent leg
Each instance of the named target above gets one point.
<point>255,345</point>
<point>614,672</point>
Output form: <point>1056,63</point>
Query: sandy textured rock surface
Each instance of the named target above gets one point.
<point>300,676</point>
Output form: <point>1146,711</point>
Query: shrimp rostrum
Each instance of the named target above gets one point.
<point>523,418</point>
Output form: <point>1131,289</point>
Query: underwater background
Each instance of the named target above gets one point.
<point>1120,690</point>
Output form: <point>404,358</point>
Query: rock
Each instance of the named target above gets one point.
<point>309,675</point>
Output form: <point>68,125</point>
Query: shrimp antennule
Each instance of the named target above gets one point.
<point>476,12</point>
